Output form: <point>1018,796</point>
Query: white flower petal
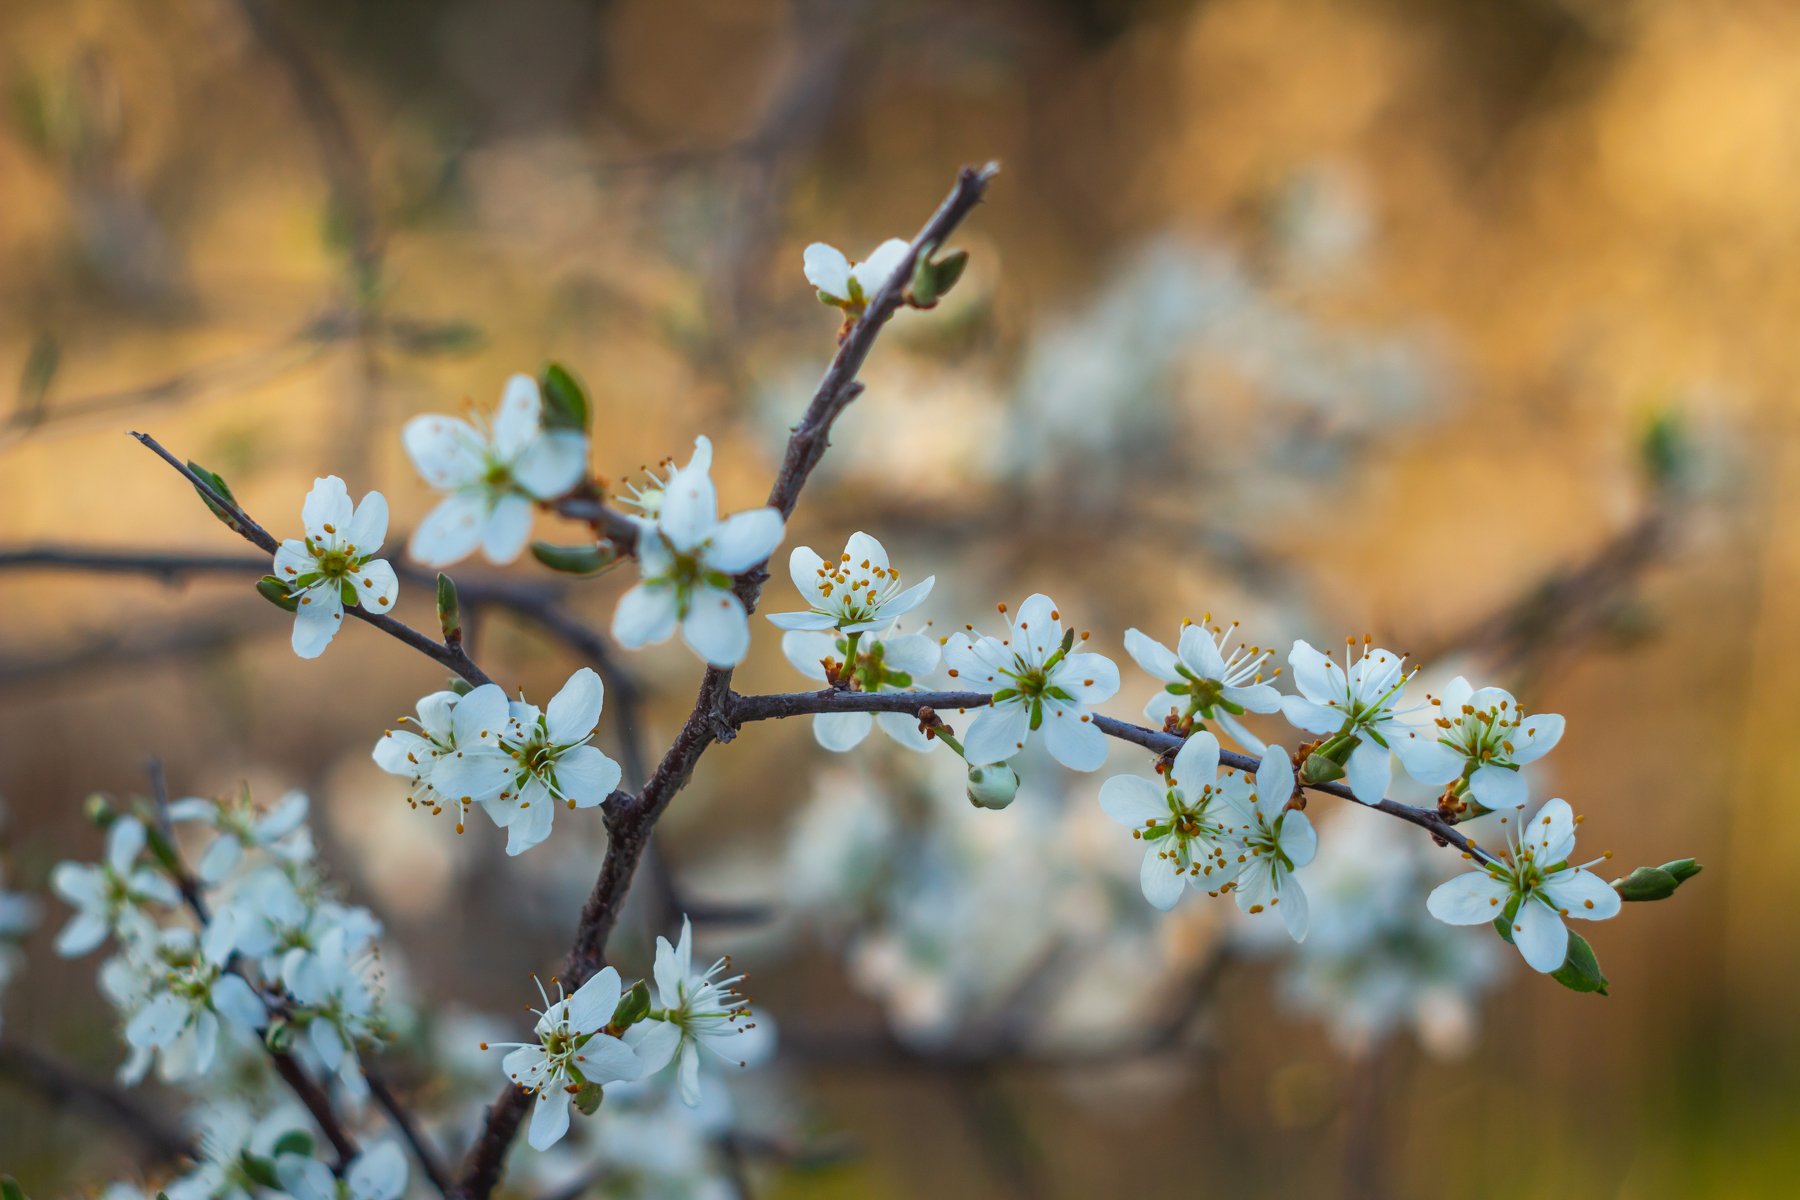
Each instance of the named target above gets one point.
<point>586,776</point>
<point>327,511</point>
<point>716,627</point>
<point>1469,899</point>
<point>1072,739</point>
<point>506,530</point>
<point>451,531</point>
<point>646,615</point>
<point>376,586</point>
<point>997,733</point>
<point>1155,658</point>
<point>1498,787</point>
<point>317,620</point>
<point>807,652</point>
<point>552,464</point>
<point>549,1118</point>
<point>742,540</point>
<point>446,452</point>
<point>1541,936</point>
<point>1369,771</point>
<point>573,712</point>
<point>842,731</point>
<point>827,270</point>
<point>1583,894</point>
<point>1133,801</point>
<point>518,419</point>
<point>1160,877</point>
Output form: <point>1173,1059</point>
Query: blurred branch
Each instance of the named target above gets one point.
<point>408,1125</point>
<point>631,819</point>
<point>64,1087</point>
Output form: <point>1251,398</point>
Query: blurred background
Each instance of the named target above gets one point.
<point>1467,325</point>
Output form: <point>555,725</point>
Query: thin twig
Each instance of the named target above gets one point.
<point>403,1120</point>
<point>64,1086</point>
<point>451,656</point>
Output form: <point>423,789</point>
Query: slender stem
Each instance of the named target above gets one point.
<point>452,657</point>
<point>408,1125</point>
<point>64,1086</point>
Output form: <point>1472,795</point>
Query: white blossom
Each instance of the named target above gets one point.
<point>334,989</point>
<point>570,1052</point>
<point>229,1138</point>
<point>335,564</point>
<point>1356,705</point>
<point>1206,678</point>
<point>1533,886</point>
<point>1037,683</point>
<point>688,558</point>
<point>698,1009</point>
<point>451,728</point>
<point>1181,820</point>
<point>378,1173</point>
<point>886,661</point>
<point>493,475</point>
<point>108,896</point>
<point>241,824</point>
<point>186,995</point>
<point>857,593</point>
<point>849,285</point>
<point>1480,738</point>
<point>1273,840</point>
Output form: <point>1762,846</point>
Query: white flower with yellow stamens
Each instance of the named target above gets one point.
<point>335,565</point>
<point>455,758</point>
<point>548,761</point>
<point>855,594</point>
<point>847,285</point>
<point>1357,706</point>
<point>1180,821</point>
<point>572,1050</point>
<point>1274,841</point>
<point>1532,886</point>
<point>885,661</point>
<point>1037,683</point>
<point>1206,678</point>
<point>698,1009</point>
<point>1478,740</point>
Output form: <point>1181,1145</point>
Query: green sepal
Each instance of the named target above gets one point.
<point>576,560</point>
<point>565,400</point>
<point>1318,769</point>
<point>459,685</point>
<point>588,1098</point>
<point>100,811</point>
<point>1683,869</point>
<point>261,1170</point>
<point>449,610</point>
<point>347,593</point>
<point>1504,922</point>
<point>279,1036</point>
<point>294,1141</point>
<point>1580,971</point>
<point>10,1189</point>
<point>276,593</point>
<point>217,483</point>
<point>633,1006</point>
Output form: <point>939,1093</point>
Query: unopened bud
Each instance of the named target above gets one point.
<point>993,786</point>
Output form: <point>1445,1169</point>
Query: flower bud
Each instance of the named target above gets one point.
<point>1319,769</point>
<point>633,1006</point>
<point>449,610</point>
<point>993,786</point>
<point>1656,883</point>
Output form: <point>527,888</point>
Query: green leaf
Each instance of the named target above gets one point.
<point>217,483</point>
<point>449,610</point>
<point>565,400</point>
<point>633,1006</point>
<point>932,280</point>
<point>1580,971</point>
<point>261,1170</point>
<point>1666,450</point>
<point>10,1189</point>
<point>34,380</point>
<point>100,811</point>
<point>294,1141</point>
<point>279,1036</point>
<point>588,1098</point>
<point>276,593</point>
<point>576,560</point>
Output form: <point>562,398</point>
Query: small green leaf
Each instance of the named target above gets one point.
<point>633,1006</point>
<point>1646,883</point>
<point>1666,449</point>
<point>261,1170</point>
<point>576,560</point>
<point>217,483</point>
<point>279,1036</point>
<point>1504,922</point>
<point>276,593</point>
<point>294,1141</point>
<point>100,811</point>
<point>449,610</point>
<point>932,280</point>
<point>10,1189</point>
<point>565,400</point>
<point>1580,971</point>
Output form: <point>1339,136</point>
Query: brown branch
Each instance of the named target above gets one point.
<point>408,1125</point>
<point>451,656</point>
<point>793,704</point>
<point>62,1086</point>
<point>629,822</point>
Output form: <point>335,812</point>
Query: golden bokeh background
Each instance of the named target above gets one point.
<point>1407,281</point>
